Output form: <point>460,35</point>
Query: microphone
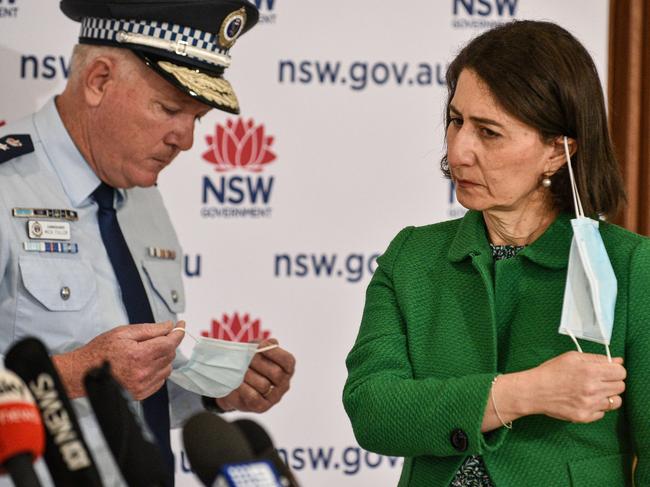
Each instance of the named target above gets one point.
<point>263,448</point>
<point>139,460</point>
<point>66,453</point>
<point>221,457</point>
<point>21,431</point>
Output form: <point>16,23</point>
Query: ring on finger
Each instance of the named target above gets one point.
<point>611,403</point>
<point>269,391</point>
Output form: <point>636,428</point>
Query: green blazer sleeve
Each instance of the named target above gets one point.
<point>392,412</point>
<point>637,361</point>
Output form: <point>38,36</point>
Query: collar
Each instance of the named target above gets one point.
<point>76,176</point>
<point>550,250</point>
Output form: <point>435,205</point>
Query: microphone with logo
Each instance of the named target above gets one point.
<point>221,457</point>
<point>21,431</point>
<point>139,460</point>
<point>263,448</point>
<point>66,453</point>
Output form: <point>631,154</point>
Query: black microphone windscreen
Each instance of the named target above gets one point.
<point>139,460</point>
<point>211,442</point>
<point>263,447</point>
<point>258,439</point>
<point>66,454</point>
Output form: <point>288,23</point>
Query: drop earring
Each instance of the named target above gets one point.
<point>546,182</point>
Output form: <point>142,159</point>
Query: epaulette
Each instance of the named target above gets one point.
<point>15,145</point>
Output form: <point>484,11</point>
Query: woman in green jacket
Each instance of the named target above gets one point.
<point>457,305</point>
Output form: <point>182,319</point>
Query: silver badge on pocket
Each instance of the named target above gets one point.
<point>44,230</point>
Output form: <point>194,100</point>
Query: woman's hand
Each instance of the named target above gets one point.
<point>576,387</point>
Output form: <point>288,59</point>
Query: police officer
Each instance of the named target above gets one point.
<point>86,243</point>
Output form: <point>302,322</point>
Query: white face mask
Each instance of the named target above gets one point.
<point>591,286</point>
<point>216,367</point>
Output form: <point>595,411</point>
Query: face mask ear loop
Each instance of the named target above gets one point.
<point>267,348</point>
<point>575,340</point>
<point>192,336</point>
<point>574,187</point>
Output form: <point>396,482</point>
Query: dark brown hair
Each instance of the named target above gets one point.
<point>540,74</point>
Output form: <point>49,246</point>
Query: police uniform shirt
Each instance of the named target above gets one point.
<point>66,299</point>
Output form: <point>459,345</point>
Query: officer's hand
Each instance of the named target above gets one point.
<point>140,356</point>
<point>577,386</point>
<point>265,382</point>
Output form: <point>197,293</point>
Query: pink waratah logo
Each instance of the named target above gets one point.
<point>239,144</point>
<point>237,328</point>
<point>2,122</point>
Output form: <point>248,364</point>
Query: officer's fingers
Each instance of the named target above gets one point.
<point>270,370</point>
<point>230,401</point>
<point>147,331</point>
<point>144,391</point>
<point>276,394</point>
<point>159,348</point>
<point>252,400</point>
<point>177,334</point>
<point>281,357</point>
<point>258,382</point>
<point>154,380</point>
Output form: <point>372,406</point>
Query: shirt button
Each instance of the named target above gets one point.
<point>174,296</point>
<point>459,440</point>
<point>65,293</point>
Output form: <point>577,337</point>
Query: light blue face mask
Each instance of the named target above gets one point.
<point>216,367</point>
<point>591,286</point>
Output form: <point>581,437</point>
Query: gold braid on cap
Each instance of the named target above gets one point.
<point>217,90</point>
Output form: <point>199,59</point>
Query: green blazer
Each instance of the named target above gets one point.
<point>441,319</point>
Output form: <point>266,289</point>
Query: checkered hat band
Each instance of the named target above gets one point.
<point>107,29</point>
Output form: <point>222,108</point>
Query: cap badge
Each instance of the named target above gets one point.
<point>231,27</point>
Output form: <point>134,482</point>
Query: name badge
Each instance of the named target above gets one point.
<point>42,230</point>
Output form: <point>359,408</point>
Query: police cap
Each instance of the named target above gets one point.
<point>187,42</point>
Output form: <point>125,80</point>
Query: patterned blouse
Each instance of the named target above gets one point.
<point>472,473</point>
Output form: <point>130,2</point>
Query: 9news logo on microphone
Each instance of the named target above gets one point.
<point>239,151</point>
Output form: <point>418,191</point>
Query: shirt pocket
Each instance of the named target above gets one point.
<point>57,302</point>
<point>603,471</point>
<point>167,283</point>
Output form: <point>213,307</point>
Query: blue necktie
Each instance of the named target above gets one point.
<point>134,296</point>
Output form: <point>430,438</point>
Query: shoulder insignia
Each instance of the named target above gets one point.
<point>12,146</point>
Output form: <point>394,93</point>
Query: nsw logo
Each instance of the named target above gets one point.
<point>239,152</point>
<point>2,122</point>
<point>8,9</point>
<point>267,11</point>
<point>482,14</point>
<point>236,328</point>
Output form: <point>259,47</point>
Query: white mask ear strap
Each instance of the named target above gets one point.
<point>191,336</point>
<point>575,340</point>
<point>574,188</point>
<point>267,348</point>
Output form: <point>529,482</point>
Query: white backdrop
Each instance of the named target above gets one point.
<point>351,94</point>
